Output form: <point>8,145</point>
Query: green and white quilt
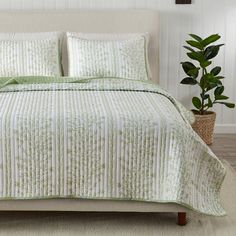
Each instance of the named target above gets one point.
<point>103,138</point>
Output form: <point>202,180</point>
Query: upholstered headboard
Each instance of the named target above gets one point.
<point>88,21</point>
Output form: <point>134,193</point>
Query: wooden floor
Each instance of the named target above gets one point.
<point>224,147</point>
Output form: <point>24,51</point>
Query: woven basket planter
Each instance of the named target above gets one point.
<point>204,126</point>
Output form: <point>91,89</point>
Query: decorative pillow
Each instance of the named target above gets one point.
<point>112,56</point>
<point>26,54</point>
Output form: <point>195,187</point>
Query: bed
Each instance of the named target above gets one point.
<point>90,188</point>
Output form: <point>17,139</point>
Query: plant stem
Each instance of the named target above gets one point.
<point>203,94</point>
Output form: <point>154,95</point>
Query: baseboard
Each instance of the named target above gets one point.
<point>225,129</point>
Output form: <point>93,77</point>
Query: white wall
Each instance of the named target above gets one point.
<point>202,17</point>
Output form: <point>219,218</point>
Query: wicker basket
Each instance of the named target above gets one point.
<point>204,126</point>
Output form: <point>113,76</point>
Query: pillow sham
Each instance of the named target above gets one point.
<point>108,55</point>
<point>30,54</point>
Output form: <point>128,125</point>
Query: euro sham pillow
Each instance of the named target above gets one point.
<point>108,55</point>
<point>30,54</point>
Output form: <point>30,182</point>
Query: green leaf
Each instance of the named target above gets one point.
<point>211,86</point>
<point>197,56</point>
<point>208,82</point>
<point>229,105</point>
<point>190,69</point>
<point>219,90</point>
<point>210,39</point>
<point>188,48</point>
<point>212,51</point>
<point>210,104</point>
<point>215,71</point>
<point>213,80</point>
<point>197,102</point>
<point>212,83</point>
<point>199,39</point>
<point>187,66</point>
<point>204,82</point>
<point>194,72</point>
<point>219,77</point>
<point>189,80</point>
<point>205,64</point>
<point>195,44</point>
<point>221,97</point>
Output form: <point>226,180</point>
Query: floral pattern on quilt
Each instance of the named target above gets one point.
<point>103,139</point>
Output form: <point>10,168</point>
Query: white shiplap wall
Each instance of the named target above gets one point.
<point>202,17</point>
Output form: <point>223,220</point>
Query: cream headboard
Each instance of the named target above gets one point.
<point>88,21</point>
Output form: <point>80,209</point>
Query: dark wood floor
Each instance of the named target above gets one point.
<point>224,147</point>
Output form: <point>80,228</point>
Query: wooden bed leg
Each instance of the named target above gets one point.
<point>182,221</point>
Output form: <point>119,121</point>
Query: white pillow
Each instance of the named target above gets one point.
<point>108,55</point>
<point>30,54</point>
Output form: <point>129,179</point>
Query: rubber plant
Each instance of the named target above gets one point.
<point>202,51</point>
<point>201,73</point>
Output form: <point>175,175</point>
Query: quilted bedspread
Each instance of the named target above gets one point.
<point>106,138</point>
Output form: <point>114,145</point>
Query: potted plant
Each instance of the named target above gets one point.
<point>202,51</point>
